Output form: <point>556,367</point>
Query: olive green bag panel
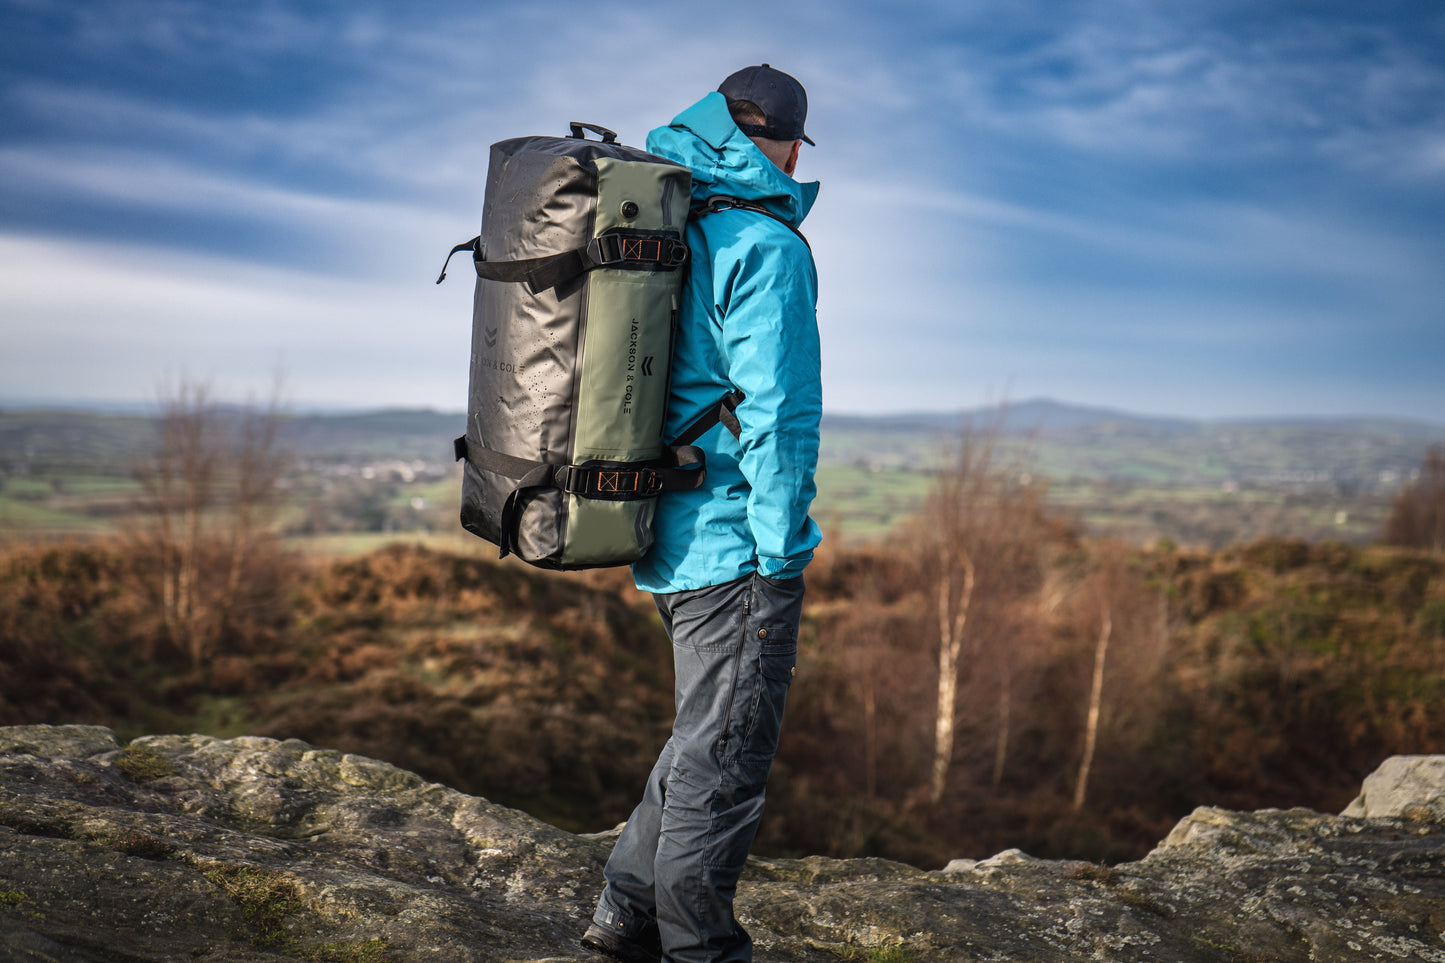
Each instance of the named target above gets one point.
<point>621,403</point>
<point>627,337</point>
<point>627,346</point>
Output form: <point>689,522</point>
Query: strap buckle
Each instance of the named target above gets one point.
<point>605,250</point>
<point>571,479</point>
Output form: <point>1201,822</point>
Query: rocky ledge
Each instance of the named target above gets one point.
<point>195,848</point>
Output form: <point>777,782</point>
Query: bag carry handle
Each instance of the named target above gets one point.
<point>608,136</point>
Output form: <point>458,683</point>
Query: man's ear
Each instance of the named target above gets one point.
<point>792,163</point>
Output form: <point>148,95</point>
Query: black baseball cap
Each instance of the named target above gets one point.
<point>782,100</point>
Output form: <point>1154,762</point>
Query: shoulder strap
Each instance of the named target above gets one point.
<point>720,202</point>
<point>722,412</point>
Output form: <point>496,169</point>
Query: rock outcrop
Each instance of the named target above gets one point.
<point>249,849</point>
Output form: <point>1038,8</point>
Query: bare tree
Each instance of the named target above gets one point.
<point>955,566</point>
<point>259,465</point>
<point>1417,518</point>
<point>1129,641</point>
<point>984,529</point>
<point>208,494</point>
<point>1096,698</point>
<point>179,485</point>
<point>951,518</point>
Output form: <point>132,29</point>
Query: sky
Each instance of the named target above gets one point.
<point>1200,208</point>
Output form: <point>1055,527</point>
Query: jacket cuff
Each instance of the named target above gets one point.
<point>782,568</point>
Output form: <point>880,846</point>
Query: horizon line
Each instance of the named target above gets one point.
<point>1102,412</point>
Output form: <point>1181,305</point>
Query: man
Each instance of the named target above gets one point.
<point>726,567</point>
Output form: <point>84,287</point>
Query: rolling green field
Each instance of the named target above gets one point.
<point>359,480</point>
<point>865,503</point>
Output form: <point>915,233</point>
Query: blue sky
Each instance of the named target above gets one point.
<point>1204,208</point>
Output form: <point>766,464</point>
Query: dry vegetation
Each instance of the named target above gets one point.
<point>1101,692</point>
<point>536,691</point>
<point>987,678</point>
<point>1109,696</point>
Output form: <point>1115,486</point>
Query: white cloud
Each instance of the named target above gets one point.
<point>959,223</point>
<point>201,32</point>
<point>1182,82</point>
<point>87,321</point>
<point>921,306</point>
<point>364,237</point>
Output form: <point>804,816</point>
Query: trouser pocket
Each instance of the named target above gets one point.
<point>769,661</point>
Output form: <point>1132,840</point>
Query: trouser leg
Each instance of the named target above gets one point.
<point>734,649</point>
<point>627,905</point>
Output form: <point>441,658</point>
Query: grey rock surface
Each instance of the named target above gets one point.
<point>1409,786</point>
<point>249,849</point>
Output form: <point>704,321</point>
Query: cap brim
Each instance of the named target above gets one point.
<point>808,140</point>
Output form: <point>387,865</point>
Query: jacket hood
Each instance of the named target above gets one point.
<point>723,161</point>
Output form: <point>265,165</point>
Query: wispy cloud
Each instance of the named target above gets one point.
<point>1190,81</point>
<point>1056,197</point>
<point>140,313</point>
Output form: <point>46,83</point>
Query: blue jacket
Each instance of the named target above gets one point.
<point>748,321</point>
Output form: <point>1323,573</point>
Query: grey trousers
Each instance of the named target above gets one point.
<point>672,876</point>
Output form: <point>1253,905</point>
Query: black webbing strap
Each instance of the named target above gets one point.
<point>721,413</point>
<point>529,476</point>
<point>510,522</point>
<point>720,202</point>
<point>681,468</point>
<point>662,252</point>
<point>538,273</point>
<point>495,461</point>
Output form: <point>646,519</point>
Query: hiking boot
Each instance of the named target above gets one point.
<point>598,939</point>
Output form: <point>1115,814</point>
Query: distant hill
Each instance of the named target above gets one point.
<point>1050,438</point>
<point>1069,441</point>
<point>1025,417</point>
<point>1045,416</point>
<point>75,436</point>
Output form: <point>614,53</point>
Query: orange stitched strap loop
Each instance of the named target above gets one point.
<point>641,249</point>
<point>644,482</point>
<point>658,252</point>
<point>625,484</point>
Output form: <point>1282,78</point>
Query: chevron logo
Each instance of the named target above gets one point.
<point>491,337</point>
<point>647,366</point>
